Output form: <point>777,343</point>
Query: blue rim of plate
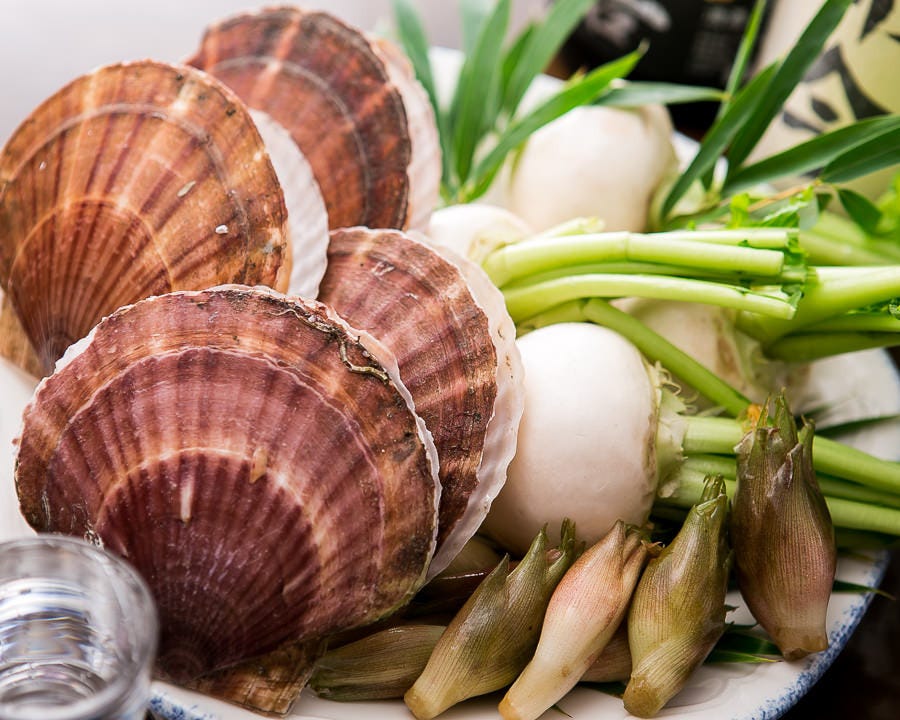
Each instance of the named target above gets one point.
<point>771,708</point>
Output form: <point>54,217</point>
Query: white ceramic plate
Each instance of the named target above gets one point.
<point>854,385</point>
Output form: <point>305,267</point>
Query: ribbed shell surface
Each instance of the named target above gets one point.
<point>322,81</point>
<point>248,456</point>
<point>420,306</point>
<point>134,180</point>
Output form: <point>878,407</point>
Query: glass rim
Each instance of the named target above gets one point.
<point>136,594</point>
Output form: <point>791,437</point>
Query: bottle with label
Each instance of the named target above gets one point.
<point>855,77</point>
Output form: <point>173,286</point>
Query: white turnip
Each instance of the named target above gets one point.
<point>596,434</point>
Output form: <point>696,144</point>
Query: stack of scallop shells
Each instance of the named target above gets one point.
<point>260,385</point>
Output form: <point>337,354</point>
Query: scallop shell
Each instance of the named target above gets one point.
<point>324,82</point>
<point>455,348</point>
<point>307,214</point>
<point>425,144</point>
<point>134,180</point>
<point>14,343</point>
<point>253,459</point>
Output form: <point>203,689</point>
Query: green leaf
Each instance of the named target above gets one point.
<point>744,54</point>
<point>790,73</point>
<point>541,46</point>
<point>719,135</point>
<point>514,56</point>
<point>633,94</point>
<point>576,92</point>
<point>473,14</point>
<point>740,640</point>
<point>726,656</point>
<point>740,66</point>
<point>477,98</point>
<point>811,155</point>
<point>847,587</point>
<point>862,210</point>
<point>415,44</point>
<point>878,152</point>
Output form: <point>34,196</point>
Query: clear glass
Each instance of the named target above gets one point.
<point>78,633</point>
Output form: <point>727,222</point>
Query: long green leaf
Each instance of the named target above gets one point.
<point>473,15</point>
<point>719,135</point>
<point>541,47</point>
<point>862,210</point>
<point>636,93</point>
<point>875,154</point>
<point>847,587</point>
<point>744,55</point>
<point>810,155</point>
<point>415,44</point>
<point>476,102</point>
<point>790,73</point>
<point>515,55</point>
<point>740,66</point>
<point>578,91</point>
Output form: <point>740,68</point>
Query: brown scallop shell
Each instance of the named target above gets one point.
<point>323,81</point>
<point>425,144</point>
<point>134,180</point>
<point>14,343</point>
<point>250,456</point>
<point>455,348</point>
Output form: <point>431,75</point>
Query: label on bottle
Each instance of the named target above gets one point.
<point>855,77</point>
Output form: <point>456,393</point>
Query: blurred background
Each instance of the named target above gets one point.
<point>46,43</point>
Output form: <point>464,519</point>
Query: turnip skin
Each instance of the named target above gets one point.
<point>593,161</point>
<point>587,446</point>
<point>473,230</point>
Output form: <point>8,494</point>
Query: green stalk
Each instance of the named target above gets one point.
<point>846,514</point>
<point>634,268</point>
<point>696,467</point>
<point>739,253</point>
<point>824,250</point>
<point>525,301</point>
<point>837,240</point>
<point>806,347</point>
<point>857,322</point>
<point>714,435</point>
<point>830,292</point>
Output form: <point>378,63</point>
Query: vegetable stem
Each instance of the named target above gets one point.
<point>848,514</point>
<point>721,435</point>
<point>740,254</point>
<point>807,347</point>
<point>696,467</point>
<point>524,301</point>
<point>830,292</point>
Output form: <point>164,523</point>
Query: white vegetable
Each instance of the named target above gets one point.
<point>592,162</point>
<point>589,445</point>
<point>473,230</point>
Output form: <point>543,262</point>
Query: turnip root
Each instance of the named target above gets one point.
<point>591,162</point>
<point>593,440</point>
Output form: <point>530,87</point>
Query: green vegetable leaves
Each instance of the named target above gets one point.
<point>481,125</point>
<point>838,156</point>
